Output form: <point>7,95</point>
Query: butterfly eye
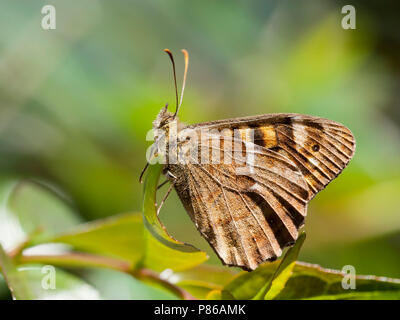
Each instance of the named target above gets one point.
<point>315,147</point>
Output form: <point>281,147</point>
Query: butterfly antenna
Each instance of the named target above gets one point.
<point>173,69</point>
<point>143,171</point>
<point>186,54</point>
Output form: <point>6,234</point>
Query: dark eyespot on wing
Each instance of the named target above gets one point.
<point>315,147</point>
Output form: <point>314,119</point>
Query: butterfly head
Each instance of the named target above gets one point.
<point>163,118</point>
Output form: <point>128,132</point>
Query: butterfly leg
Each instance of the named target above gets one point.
<point>165,198</point>
<point>162,184</point>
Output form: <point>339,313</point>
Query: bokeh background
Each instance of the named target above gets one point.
<point>76,103</point>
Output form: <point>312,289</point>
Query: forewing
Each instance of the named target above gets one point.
<point>319,147</point>
<point>248,212</point>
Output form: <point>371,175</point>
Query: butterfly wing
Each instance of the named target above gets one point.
<point>247,214</point>
<point>319,147</point>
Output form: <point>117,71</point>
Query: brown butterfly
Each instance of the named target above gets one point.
<point>246,182</point>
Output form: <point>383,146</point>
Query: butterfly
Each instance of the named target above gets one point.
<point>246,182</point>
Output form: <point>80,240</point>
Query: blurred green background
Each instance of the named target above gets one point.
<point>76,103</point>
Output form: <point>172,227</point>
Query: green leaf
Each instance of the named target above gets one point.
<point>116,285</point>
<point>30,212</point>
<point>75,259</point>
<point>67,286</point>
<point>117,237</point>
<point>5,293</point>
<point>309,281</point>
<point>31,282</point>
<point>214,295</point>
<point>270,276</point>
<point>314,282</point>
<point>163,251</point>
<point>15,281</point>
<point>219,295</point>
<point>203,279</point>
<point>246,285</point>
<point>277,282</point>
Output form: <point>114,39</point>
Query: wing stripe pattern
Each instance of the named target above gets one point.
<point>293,206</point>
<point>224,238</point>
<point>253,215</point>
<point>273,177</point>
<point>250,216</point>
<point>335,159</point>
<point>206,225</point>
<point>301,155</point>
<point>240,221</point>
<point>273,247</point>
<point>265,228</point>
<point>320,148</point>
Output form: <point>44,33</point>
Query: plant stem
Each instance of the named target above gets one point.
<point>78,259</point>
